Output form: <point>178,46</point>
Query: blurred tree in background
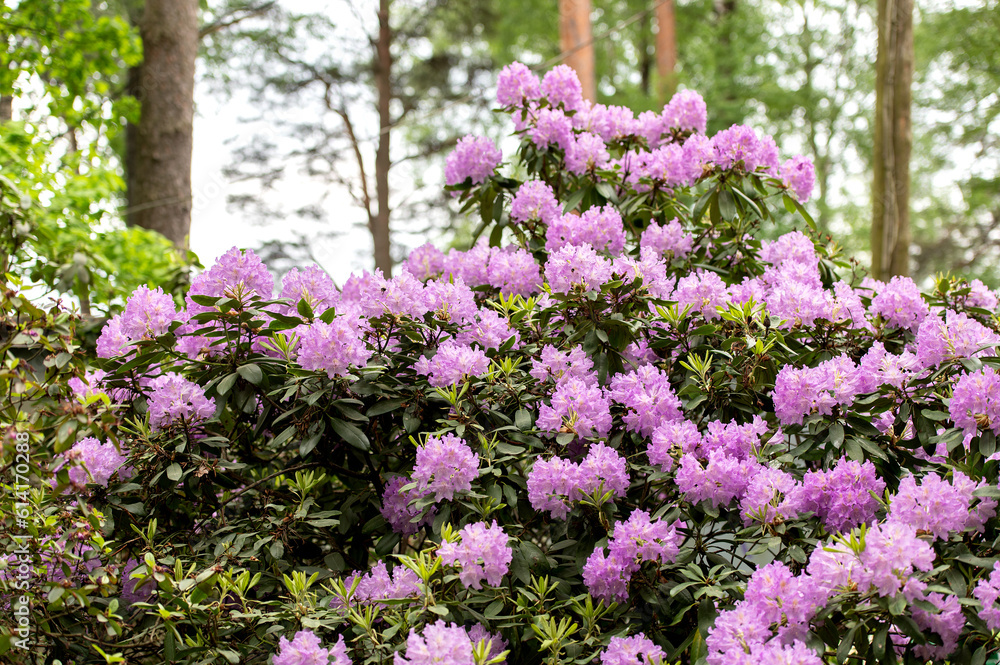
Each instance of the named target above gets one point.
<point>62,74</point>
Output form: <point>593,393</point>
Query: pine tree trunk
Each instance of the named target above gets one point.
<point>383,77</point>
<point>575,40</point>
<point>158,155</point>
<point>6,108</point>
<point>666,50</point>
<point>893,139</point>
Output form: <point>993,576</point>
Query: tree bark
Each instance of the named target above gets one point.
<point>666,50</point>
<point>893,139</point>
<point>158,154</point>
<point>575,40</point>
<point>6,108</point>
<point>383,82</point>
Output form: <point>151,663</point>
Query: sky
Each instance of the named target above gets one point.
<point>215,228</point>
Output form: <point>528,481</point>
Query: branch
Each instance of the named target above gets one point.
<point>230,20</point>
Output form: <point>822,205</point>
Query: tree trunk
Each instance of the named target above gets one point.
<point>893,138</point>
<point>6,108</point>
<point>383,78</point>
<point>666,50</point>
<point>158,155</point>
<point>575,40</point>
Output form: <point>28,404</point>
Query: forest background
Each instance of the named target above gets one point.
<point>290,133</point>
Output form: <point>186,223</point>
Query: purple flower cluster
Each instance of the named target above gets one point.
<point>306,649</point>
<point>93,462</point>
<point>975,402</point>
<point>333,347</point>
<point>987,592</point>
<point>396,508</point>
<point>475,158</point>
<point>174,399</point>
<point>235,274</point>
<point>516,85</point>
<point>632,650</point>
<point>444,466</point>
<point>599,227</point>
<point>669,237</point>
<point>478,633</point>
<point>958,336</point>
<point>148,313</point>
<point>555,485</point>
<point>680,435</point>
<point>898,303</point>
<point>893,552</point>
<point>632,542</point>
<point>558,365</point>
<point>799,392</point>
<point>577,267</point>
<point>552,127</point>
<point>703,290</point>
<point>648,398</point>
<point>586,154</point>
<point>313,285</point>
<point>481,552</point>
<point>560,85</point>
<point>717,466</point>
<point>799,175</point>
<point>775,611</point>
<point>135,590</point>
<point>948,622</point>
<point>938,507</point>
<point>841,496</point>
<point>440,644</point>
<point>534,200</point>
<point>767,500</point>
<point>425,261</point>
<point>739,148</point>
<point>578,405</point>
<point>451,364</point>
<point>378,585</point>
<point>720,480</point>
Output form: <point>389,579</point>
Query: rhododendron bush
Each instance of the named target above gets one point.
<point>622,428</point>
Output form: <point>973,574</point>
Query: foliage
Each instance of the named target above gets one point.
<point>763,430</point>
<point>64,65</point>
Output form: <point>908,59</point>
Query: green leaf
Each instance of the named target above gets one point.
<point>174,472</point>
<point>304,309</point>
<point>384,406</point>
<point>251,373</point>
<point>350,434</point>
<point>226,384</point>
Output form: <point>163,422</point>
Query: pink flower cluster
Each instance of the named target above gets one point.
<point>174,400</point>
<point>599,227</point>
<point>648,398</point>
<point>445,465</point>
<point>578,405</point>
<point>333,347</point>
<point>440,644</point>
<point>91,461</point>
<point>555,485</point>
<point>307,649</point>
<point>451,364</point>
<point>481,552</point>
<point>378,585</point>
<point>771,622</point>
<point>633,650</point>
<point>475,158</point>
<point>632,542</point>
